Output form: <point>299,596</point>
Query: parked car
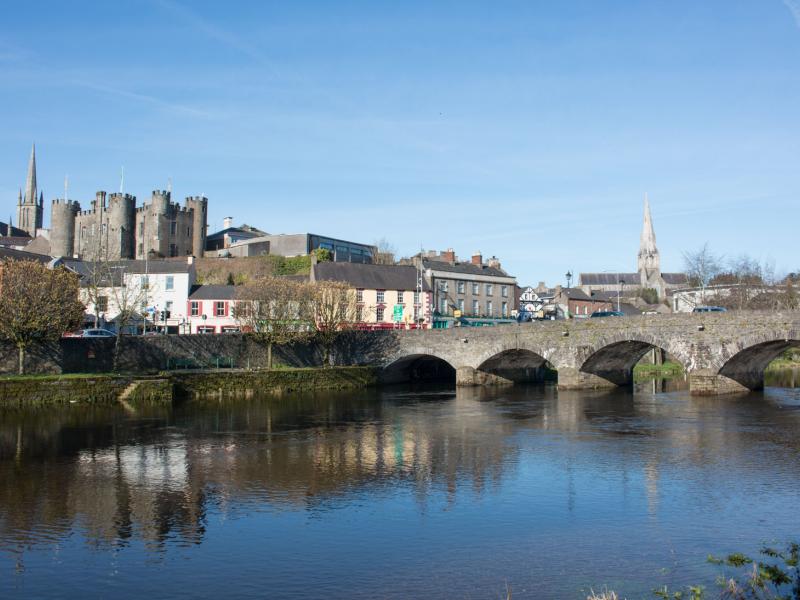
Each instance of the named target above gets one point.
<point>606,313</point>
<point>704,309</point>
<point>97,333</point>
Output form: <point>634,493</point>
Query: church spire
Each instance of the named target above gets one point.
<point>648,240</point>
<point>30,184</point>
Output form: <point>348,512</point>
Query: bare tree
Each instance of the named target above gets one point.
<point>275,310</point>
<point>37,304</point>
<point>701,267</point>
<point>384,252</point>
<point>128,298</point>
<point>335,309</point>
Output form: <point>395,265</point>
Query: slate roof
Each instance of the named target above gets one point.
<point>11,254</point>
<point>466,268</point>
<point>610,278</point>
<point>369,276</point>
<point>628,278</point>
<point>212,292</point>
<point>14,240</point>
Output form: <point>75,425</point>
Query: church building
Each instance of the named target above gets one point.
<point>648,275</point>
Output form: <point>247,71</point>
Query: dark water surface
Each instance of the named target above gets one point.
<point>394,493</point>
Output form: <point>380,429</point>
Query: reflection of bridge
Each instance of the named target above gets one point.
<point>721,352</point>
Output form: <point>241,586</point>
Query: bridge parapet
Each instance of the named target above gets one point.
<point>721,352</point>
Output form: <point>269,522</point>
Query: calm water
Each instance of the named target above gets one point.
<point>398,493</point>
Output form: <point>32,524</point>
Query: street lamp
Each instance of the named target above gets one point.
<point>569,278</point>
<point>621,285</point>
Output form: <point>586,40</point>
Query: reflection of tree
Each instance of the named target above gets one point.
<point>115,479</point>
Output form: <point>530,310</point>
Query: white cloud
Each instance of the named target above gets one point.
<point>794,8</point>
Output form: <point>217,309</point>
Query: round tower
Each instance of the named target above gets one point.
<point>62,227</point>
<point>198,204</point>
<point>121,222</point>
<point>159,204</point>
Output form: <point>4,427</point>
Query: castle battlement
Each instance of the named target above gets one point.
<point>129,231</point>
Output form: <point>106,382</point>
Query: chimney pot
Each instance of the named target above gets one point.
<point>477,258</point>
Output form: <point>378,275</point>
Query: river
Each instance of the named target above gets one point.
<point>401,492</point>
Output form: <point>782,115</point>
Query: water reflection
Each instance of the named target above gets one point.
<point>490,459</point>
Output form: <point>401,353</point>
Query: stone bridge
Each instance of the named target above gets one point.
<point>720,352</point>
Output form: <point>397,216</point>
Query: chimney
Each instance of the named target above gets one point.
<point>190,260</point>
<point>494,262</point>
<point>449,255</point>
<point>477,258</point>
<point>227,222</point>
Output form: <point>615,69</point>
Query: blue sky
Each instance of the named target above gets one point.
<point>528,130</point>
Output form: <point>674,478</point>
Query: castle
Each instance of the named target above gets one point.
<point>114,228</point>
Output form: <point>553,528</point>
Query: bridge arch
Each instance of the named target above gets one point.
<point>745,360</point>
<point>516,365</point>
<point>613,358</point>
<point>418,367</point>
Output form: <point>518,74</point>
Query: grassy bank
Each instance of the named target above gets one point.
<point>109,388</point>
<point>667,369</point>
<point>249,383</point>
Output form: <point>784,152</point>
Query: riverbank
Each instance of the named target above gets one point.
<point>169,386</point>
<point>666,369</point>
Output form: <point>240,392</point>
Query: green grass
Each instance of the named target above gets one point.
<point>672,368</point>
<point>55,377</point>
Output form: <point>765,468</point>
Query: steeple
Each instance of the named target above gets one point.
<point>648,239</point>
<point>30,183</point>
<point>30,207</point>
<point>649,261</point>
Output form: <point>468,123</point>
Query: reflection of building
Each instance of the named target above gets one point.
<point>648,275</point>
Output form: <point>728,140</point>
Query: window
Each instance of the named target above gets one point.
<point>173,250</point>
<point>141,230</point>
<point>400,296</point>
<point>359,296</point>
<point>489,289</point>
<point>460,287</point>
<point>140,251</point>
<point>230,329</point>
<point>379,314</point>
<point>504,291</point>
<point>168,308</point>
<point>173,227</point>
<point>102,303</point>
<point>476,289</point>
<point>504,308</point>
<point>380,298</point>
<point>170,285</point>
<point>194,308</point>
<point>489,308</point>
<point>188,232</point>
<point>416,313</point>
<point>475,307</point>
<point>205,329</point>
<point>444,286</point>
<point>416,297</point>
<point>359,314</point>
<point>461,305</point>
<point>219,309</point>
<point>145,281</point>
<point>443,305</point>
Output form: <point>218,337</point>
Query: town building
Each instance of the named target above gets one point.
<point>648,275</point>
<point>217,243</point>
<point>157,288</point>
<point>387,296</point>
<point>210,309</point>
<point>559,302</point>
<point>286,244</point>
<point>474,292</point>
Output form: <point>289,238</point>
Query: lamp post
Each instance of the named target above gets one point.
<point>569,278</point>
<point>621,285</point>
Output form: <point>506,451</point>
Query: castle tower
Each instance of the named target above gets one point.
<point>62,227</point>
<point>199,206</point>
<point>121,225</point>
<point>649,261</point>
<point>30,207</point>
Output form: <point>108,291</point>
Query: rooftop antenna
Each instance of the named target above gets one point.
<point>122,180</point>
<point>66,187</point>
